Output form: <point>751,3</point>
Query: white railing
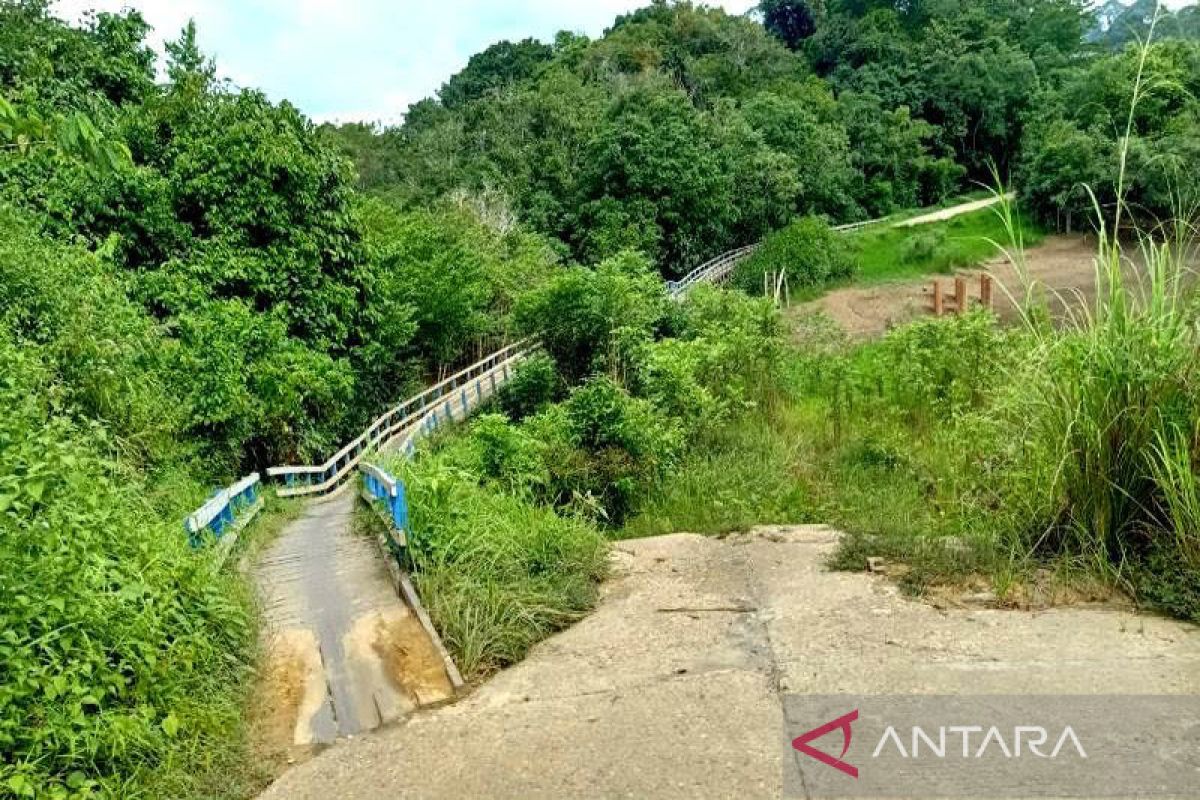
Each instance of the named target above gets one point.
<point>715,271</point>
<point>450,394</point>
<point>720,268</point>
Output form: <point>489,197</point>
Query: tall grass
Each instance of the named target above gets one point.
<point>498,572</point>
<point>745,475</point>
<point>1112,400</point>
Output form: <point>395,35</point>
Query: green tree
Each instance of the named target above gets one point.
<point>499,66</point>
<point>655,162</point>
<point>792,21</point>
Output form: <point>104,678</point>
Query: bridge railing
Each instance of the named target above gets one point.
<point>720,268</point>
<point>379,486</point>
<point>419,415</point>
<point>714,271</point>
<point>232,506</point>
<point>447,394</point>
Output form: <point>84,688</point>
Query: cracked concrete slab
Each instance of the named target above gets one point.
<point>672,688</point>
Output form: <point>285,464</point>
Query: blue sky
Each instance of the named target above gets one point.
<point>360,59</point>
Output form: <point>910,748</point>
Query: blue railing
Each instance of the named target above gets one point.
<point>382,487</point>
<point>232,506</point>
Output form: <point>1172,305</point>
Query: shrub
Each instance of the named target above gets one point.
<point>535,384</point>
<point>122,652</point>
<point>725,360</point>
<point>808,250</point>
<point>942,366</point>
<point>586,318</point>
<point>506,454</point>
<point>629,442</point>
<point>921,247</point>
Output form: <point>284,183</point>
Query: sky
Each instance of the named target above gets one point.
<point>359,60</point>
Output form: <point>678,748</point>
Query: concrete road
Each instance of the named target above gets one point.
<point>672,688</point>
<point>952,211</point>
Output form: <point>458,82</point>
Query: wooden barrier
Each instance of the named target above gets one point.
<point>962,301</point>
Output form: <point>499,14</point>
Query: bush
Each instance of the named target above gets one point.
<point>942,367</point>
<point>534,385</point>
<point>506,454</point>
<point>107,358</point>
<point>725,360</point>
<point>808,251</point>
<point>585,318</point>
<point>921,247</point>
<point>122,653</point>
<point>630,445</point>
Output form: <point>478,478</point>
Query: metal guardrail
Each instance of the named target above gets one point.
<point>379,485</point>
<point>720,268</point>
<point>714,271</point>
<point>447,396</point>
<point>232,506</point>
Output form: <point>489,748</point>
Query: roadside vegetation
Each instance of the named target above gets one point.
<point>197,282</point>
<point>512,513</point>
<point>966,452</point>
<point>884,253</point>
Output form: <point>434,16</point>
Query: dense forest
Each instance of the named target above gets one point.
<point>196,281</point>
<point>683,131</point>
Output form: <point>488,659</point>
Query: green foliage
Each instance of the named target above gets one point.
<point>585,318</point>
<point>535,384</point>
<point>1110,414</point>
<point>883,252</point>
<point>940,368</point>
<point>744,475</point>
<point>654,155</point>
<point>807,250</point>
<point>122,651</point>
<point>494,69</point>
<point>108,360</point>
<point>497,572</point>
<point>965,68</point>
<point>1073,145</point>
<point>684,131</point>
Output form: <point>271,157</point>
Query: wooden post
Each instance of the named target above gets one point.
<point>937,299</point>
<point>985,291</point>
<point>960,294</point>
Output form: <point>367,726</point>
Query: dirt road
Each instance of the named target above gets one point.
<point>672,688</point>
<point>951,212</point>
<point>1062,268</point>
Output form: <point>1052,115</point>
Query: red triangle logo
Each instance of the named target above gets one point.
<point>842,723</point>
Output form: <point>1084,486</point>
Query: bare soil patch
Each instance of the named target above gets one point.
<point>1062,269</point>
<point>411,660</point>
<point>292,681</point>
